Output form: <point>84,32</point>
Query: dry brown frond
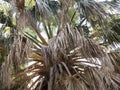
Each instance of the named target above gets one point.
<point>63,69</point>
<point>20,50</point>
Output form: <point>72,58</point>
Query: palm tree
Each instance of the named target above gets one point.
<point>68,43</point>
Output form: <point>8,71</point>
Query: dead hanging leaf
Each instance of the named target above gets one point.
<point>22,20</point>
<point>20,5</point>
<point>73,83</point>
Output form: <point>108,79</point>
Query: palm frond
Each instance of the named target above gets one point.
<point>16,57</point>
<point>44,9</point>
<point>62,69</point>
<point>92,11</point>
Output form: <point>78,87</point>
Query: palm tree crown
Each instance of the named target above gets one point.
<point>60,45</point>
